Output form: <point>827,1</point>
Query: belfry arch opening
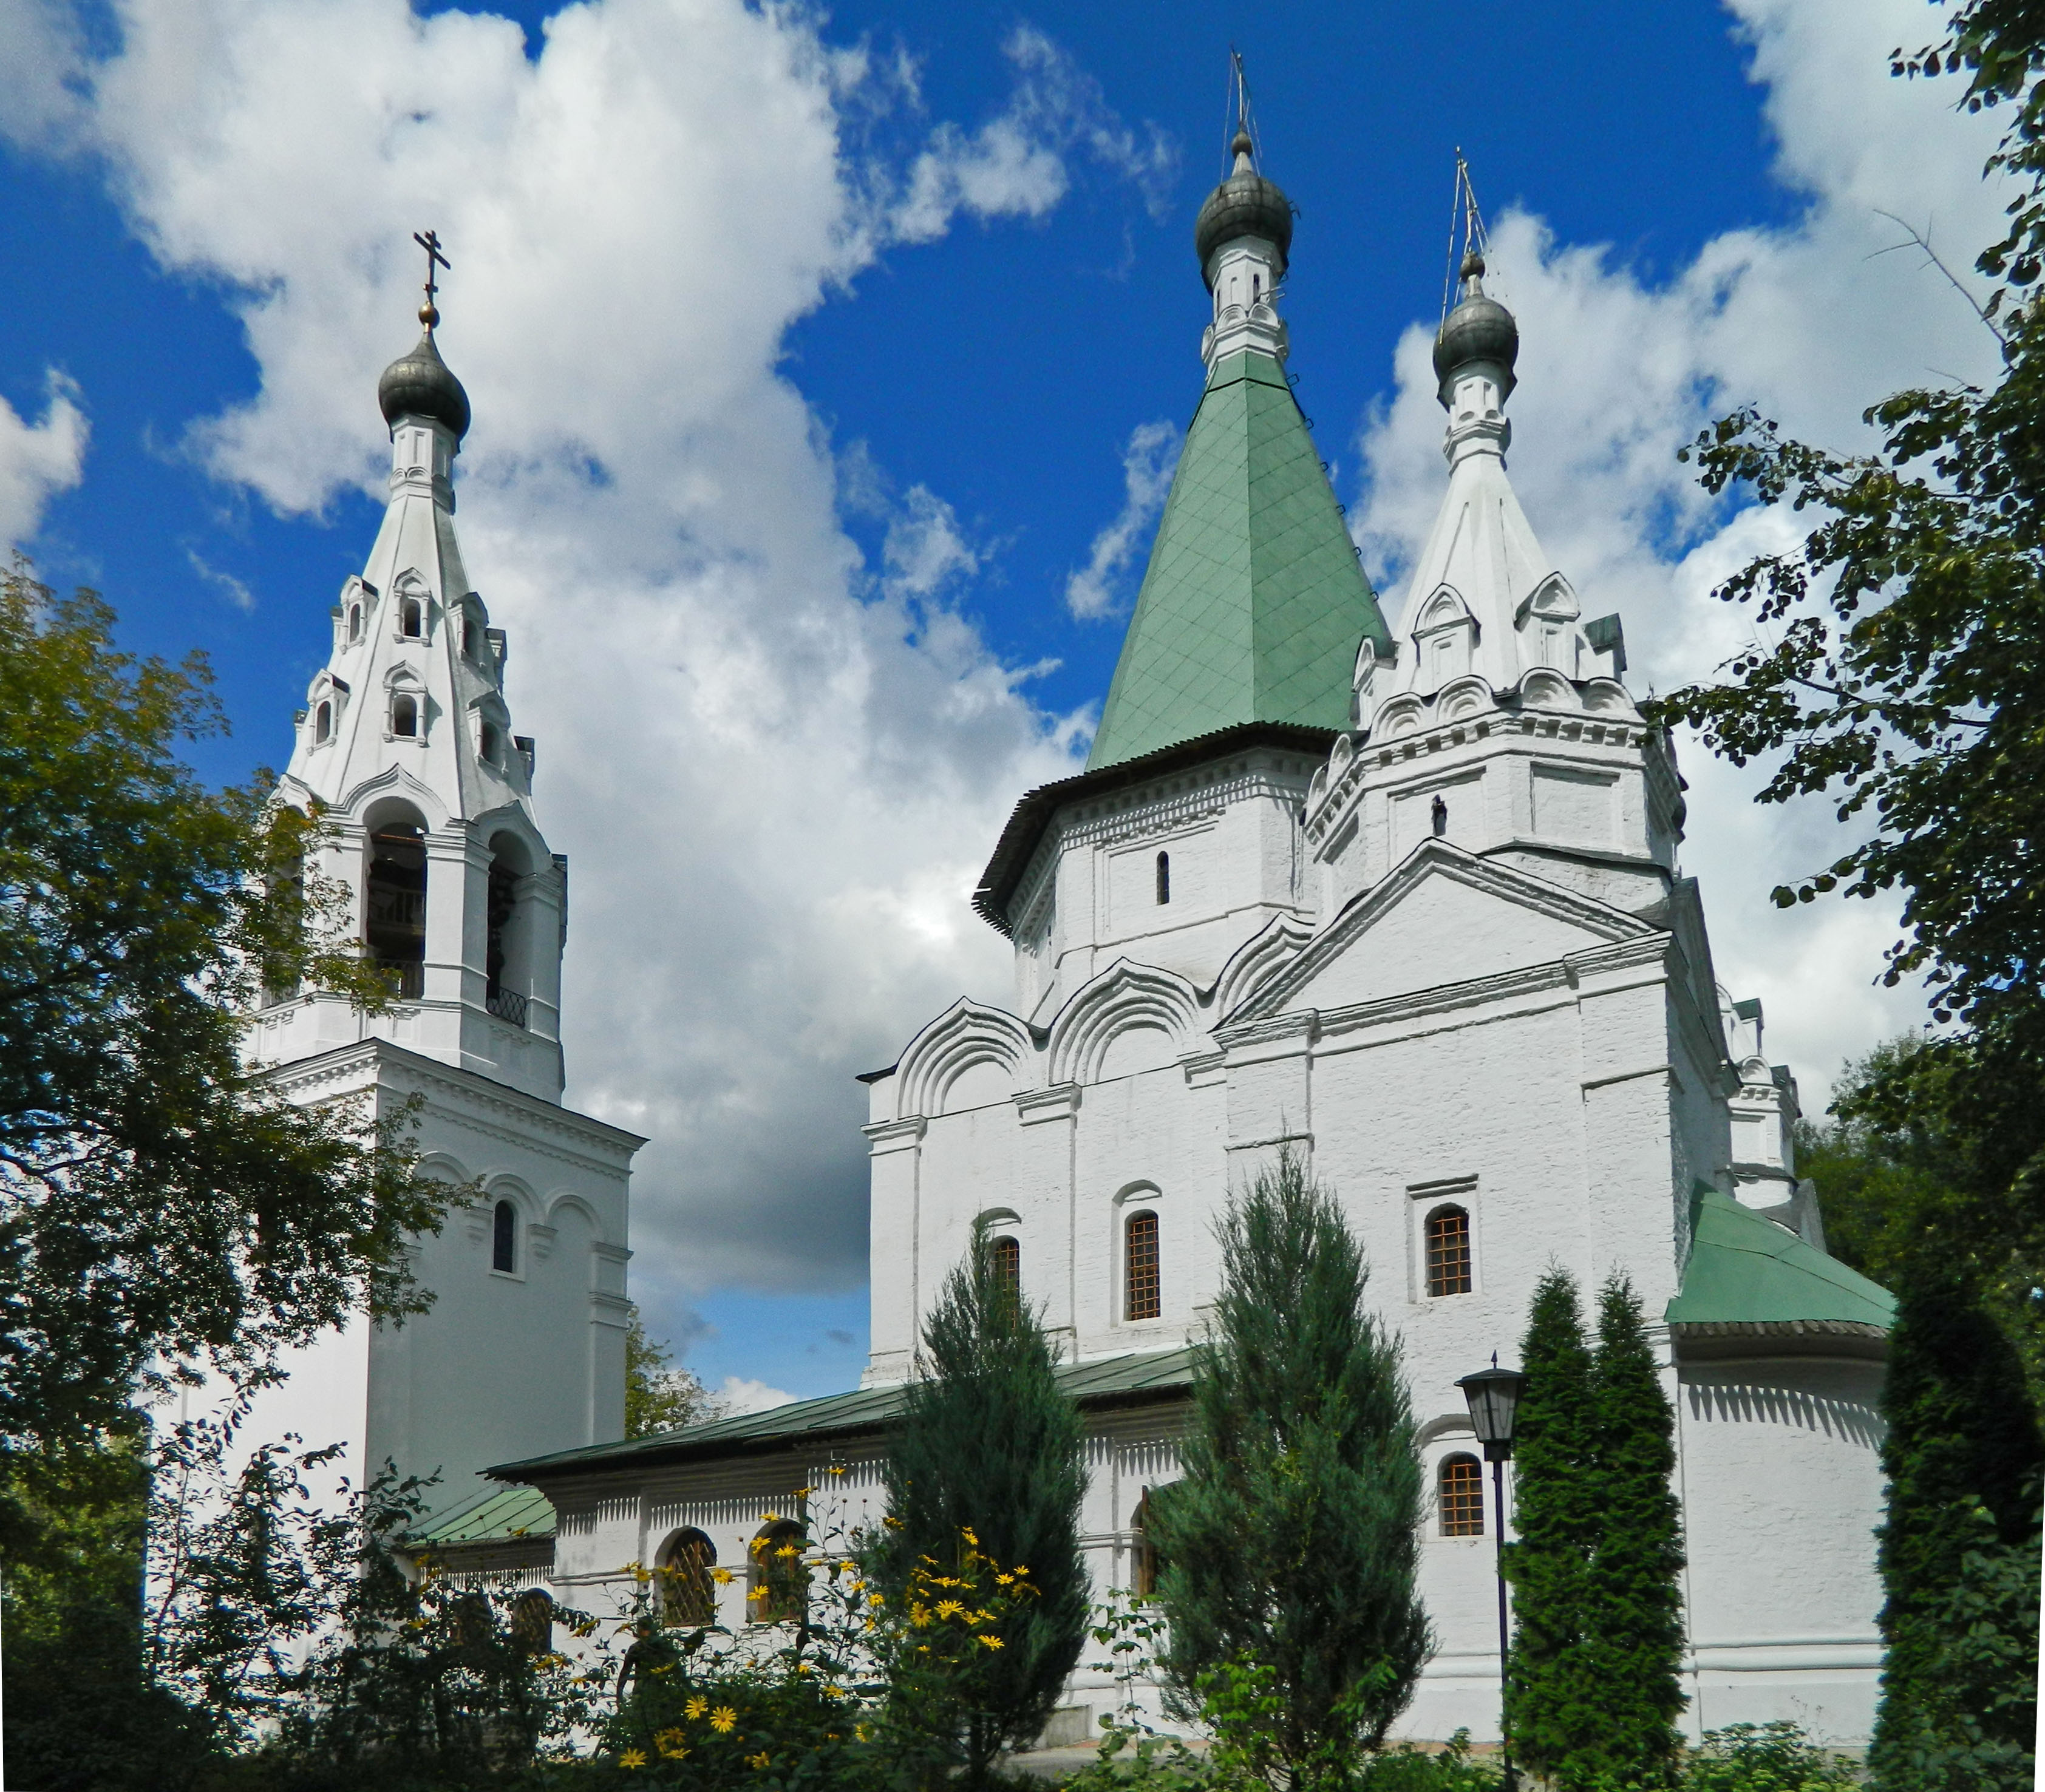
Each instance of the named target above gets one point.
<point>507,972</point>
<point>394,900</point>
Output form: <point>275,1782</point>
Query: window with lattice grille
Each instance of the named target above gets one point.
<point>1144,1289</point>
<point>1448,1252</point>
<point>688,1595</point>
<point>1006,1256</point>
<point>1460,1497</point>
<point>779,1579</point>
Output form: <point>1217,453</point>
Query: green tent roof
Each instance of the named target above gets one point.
<point>1746,1270</point>
<point>1253,605</point>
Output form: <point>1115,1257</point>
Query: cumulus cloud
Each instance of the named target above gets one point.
<point>1014,165</point>
<point>1148,464</point>
<point>39,459</point>
<point>1810,322</point>
<point>741,1394</point>
<point>776,768</point>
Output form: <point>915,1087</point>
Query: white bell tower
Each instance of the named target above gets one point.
<point>405,745</point>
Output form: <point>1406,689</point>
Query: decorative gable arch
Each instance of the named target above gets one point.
<point>965,1039</point>
<point>396,781</point>
<point>1258,960</point>
<point>1124,999</point>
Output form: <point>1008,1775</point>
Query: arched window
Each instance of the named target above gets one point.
<point>504,1238</point>
<point>354,622</point>
<point>1448,1252</point>
<point>777,1580</point>
<point>323,723</point>
<point>1164,878</point>
<point>688,1594</point>
<point>1007,1255</point>
<point>411,618</point>
<point>1143,1559</point>
<point>405,716</point>
<point>533,1620</point>
<point>492,744</point>
<point>506,989</point>
<point>467,636</point>
<point>1459,1497</point>
<point>394,907</point>
<point>1141,1281</point>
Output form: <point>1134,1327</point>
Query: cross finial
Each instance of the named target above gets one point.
<point>430,313</point>
<point>1243,138</point>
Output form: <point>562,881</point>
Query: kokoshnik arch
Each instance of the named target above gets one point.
<point>1409,903</point>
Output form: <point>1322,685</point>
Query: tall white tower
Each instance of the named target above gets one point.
<point>405,744</point>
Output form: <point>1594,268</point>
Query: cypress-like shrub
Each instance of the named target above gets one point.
<point>1959,1547</point>
<point>989,1448</point>
<point>1289,1551</point>
<point>1635,1599</point>
<point>1554,1694</point>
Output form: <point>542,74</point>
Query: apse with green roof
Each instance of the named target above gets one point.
<point>1254,604</point>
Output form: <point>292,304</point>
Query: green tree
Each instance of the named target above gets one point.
<point>1553,1691</point>
<point>162,1208</point>
<point>1635,1595</point>
<point>987,1456</point>
<point>1290,1549</point>
<point>658,1396</point>
<point>1959,1547</point>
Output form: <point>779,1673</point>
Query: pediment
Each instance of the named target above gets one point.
<point>1443,916</point>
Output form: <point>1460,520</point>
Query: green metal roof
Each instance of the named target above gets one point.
<point>1254,604</point>
<point>1104,1381</point>
<point>1744,1269</point>
<point>496,1513</point>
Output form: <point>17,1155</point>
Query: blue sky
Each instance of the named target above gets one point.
<point>783,462</point>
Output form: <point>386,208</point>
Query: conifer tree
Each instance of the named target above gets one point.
<point>990,1448</point>
<point>1290,1549</point>
<point>1634,1597</point>
<point>1959,1547</point>
<point>1553,1691</point>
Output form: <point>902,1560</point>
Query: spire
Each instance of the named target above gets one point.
<point>1254,602</point>
<point>1485,599</point>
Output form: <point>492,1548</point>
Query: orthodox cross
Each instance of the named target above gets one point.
<point>430,313</point>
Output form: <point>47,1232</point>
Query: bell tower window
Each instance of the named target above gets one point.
<point>323,723</point>
<point>394,905</point>
<point>504,1238</point>
<point>411,618</point>
<point>1164,878</point>
<point>506,984</point>
<point>405,718</point>
<point>354,622</point>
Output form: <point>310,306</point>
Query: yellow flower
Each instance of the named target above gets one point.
<point>837,1468</point>
<point>860,1732</point>
<point>633,1758</point>
<point>757,1761</point>
<point>770,1518</point>
<point>966,1532</point>
<point>723,1719</point>
<point>788,1551</point>
<point>1006,1580</point>
<point>696,1706</point>
<point>722,1576</point>
<point>948,1607</point>
<point>671,1744</point>
<point>991,1643</point>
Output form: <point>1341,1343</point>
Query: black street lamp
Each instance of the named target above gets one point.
<point>1493,1395</point>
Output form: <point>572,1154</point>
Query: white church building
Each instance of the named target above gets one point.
<point>1409,903</point>
<point>405,745</point>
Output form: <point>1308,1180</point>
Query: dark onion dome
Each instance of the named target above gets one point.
<point>420,385</point>
<point>1478,329</point>
<point>1244,204</point>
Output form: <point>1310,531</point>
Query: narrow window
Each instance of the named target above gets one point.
<point>1143,1288</point>
<point>411,619</point>
<point>504,1238</point>
<point>355,622</point>
<point>688,1594</point>
<point>323,724</point>
<point>1256,287</point>
<point>1143,1563</point>
<point>1164,878</point>
<point>394,905</point>
<point>1007,1254</point>
<point>468,637</point>
<point>1439,815</point>
<point>405,718</point>
<point>1460,1497</point>
<point>492,744</point>
<point>1448,1252</point>
<point>779,1586</point>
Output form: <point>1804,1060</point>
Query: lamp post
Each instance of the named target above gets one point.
<point>1493,1395</point>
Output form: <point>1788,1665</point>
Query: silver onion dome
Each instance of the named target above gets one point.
<point>420,384</point>
<point>1244,205</point>
<point>1479,329</point>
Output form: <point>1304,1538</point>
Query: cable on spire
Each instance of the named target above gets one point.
<point>1238,117</point>
<point>1466,222</point>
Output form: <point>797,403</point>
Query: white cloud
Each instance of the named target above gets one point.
<point>1148,464</point>
<point>39,459</point>
<point>1811,322</point>
<point>229,587</point>
<point>777,770</point>
<point>1014,166</point>
<point>741,1394</point>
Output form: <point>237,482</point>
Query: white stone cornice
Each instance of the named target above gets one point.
<point>885,1136</point>
<point>1060,1101</point>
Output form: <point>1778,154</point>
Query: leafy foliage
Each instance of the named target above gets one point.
<point>658,1396</point>
<point>1290,1549</point>
<point>987,1450</point>
<point>160,1204</point>
<point>1959,1546</point>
